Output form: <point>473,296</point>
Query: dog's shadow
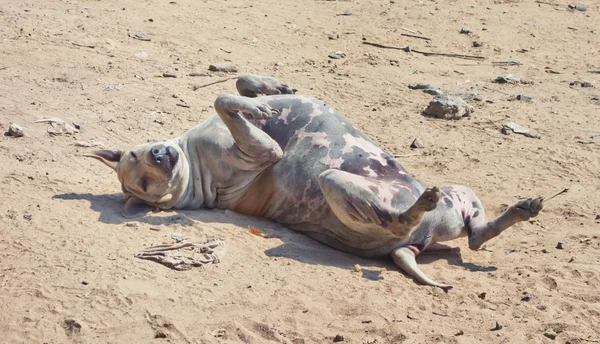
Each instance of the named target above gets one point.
<point>295,245</point>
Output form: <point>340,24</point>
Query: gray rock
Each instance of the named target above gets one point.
<point>15,130</point>
<point>477,44</point>
<point>560,245</point>
<point>464,30</point>
<point>581,8</point>
<point>448,107</point>
<point>227,67</point>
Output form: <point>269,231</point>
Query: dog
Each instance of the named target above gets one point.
<point>271,153</point>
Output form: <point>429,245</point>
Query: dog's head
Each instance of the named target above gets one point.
<point>151,175</point>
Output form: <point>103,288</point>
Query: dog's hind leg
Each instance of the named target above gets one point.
<point>355,201</point>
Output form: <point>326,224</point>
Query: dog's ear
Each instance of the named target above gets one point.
<point>135,207</point>
<point>109,157</point>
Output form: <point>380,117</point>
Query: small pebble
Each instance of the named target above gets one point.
<point>498,326</point>
<point>560,245</point>
<point>337,55</point>
<point>433,91</point>
<point>15,130</point>
<point>84,283</point>
<point>581,8</point>
<point>523,97</point>
<point>419,86</point>
<point>459,333</point>
<point>477,44</point>
<point>338,338</point>
<point>482,295</point>
<point>596,98</point>
<point>169,75</point>
<point>527,298</point>
<point>541,307</point>
<point>416,144</point>
<point>357,268</point>
<point>227,67</point>
<point>550,334</point>
<point>545,251</point>
<point>464,30</point>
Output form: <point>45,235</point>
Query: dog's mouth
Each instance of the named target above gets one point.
<point>164,157</point>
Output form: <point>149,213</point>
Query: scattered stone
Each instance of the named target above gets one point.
<point>15,130</point>
<point>72,327</point>
<point>433,91</point>
<point>160,335</point>
<point>219,333</point>
<point>88,144</point>
<point>507,79</point>
<point>419,86</point>
<point>140,37</point>
<point>498,326</point>
<point>59,126</point>
<point>579,7</point>
<point>116,87</point>
<point>84,282</point>
<point>459,333</point>
<point>523,97</point>
<point>477,44</point>
<point>337,55</point>
<point>482,295</point>
<point>560,245</point>
<point>169,75</point>
<point>572,260</point>
<point>199,74</point>
<point>179,237</point>
<point>338,338</point>
<point>550,334</point>
<point>581,83</point>
<point>545,251</point>
<point>596,98</point>
<point>142,55</point>
<point>227,67</point>
<point>367,321</point>
<point>448,107</point>
<point>541,307</point>
<point>357,268</point>
<point>464,30</point>
<point>527,298</point>
<point>416,144</point>
<point>517,129</point>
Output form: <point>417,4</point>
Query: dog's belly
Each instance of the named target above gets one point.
<point>315,138</point>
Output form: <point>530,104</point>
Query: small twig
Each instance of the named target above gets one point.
<point>411,31</point>
<point>169,75</point>
<point>556,194</point>
<point>383,46</point>
<point>84,46</point>
<point>182,105</point>
<point>405,155</point>
<point>546,3</point>
<point>407,49</point>
<point>596,71</point>
<point>439,314</point>
<point>415,36</point>
<point>227,51</point>
<point>199,74</point>
<point>506,63</point>
<point>3,68</point>
<point>502,110</point>
<point>197,87</point>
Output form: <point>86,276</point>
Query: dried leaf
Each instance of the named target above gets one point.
<point>258,232</point>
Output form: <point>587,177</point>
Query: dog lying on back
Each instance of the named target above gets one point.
<point>295,160</point>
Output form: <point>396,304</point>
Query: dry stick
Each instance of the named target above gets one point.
<point>468,57</point>
<point>411,31</point>
<point>415,36</point>
<point>556,194</point>
<point>405,155</point>
<point>214,82</point>
<point>84,46</point>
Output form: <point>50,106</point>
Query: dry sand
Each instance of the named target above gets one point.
<point>67,270</point>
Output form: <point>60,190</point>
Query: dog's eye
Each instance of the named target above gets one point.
<point>144,184</point>
<point>133,155</point>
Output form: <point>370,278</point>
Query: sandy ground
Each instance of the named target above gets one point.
<point>68,272</point>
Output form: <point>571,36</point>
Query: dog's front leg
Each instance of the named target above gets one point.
<point>252,143</point>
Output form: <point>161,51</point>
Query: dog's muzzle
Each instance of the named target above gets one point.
<point>164,157</point>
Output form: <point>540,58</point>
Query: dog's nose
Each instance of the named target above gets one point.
<point>159,152</point>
